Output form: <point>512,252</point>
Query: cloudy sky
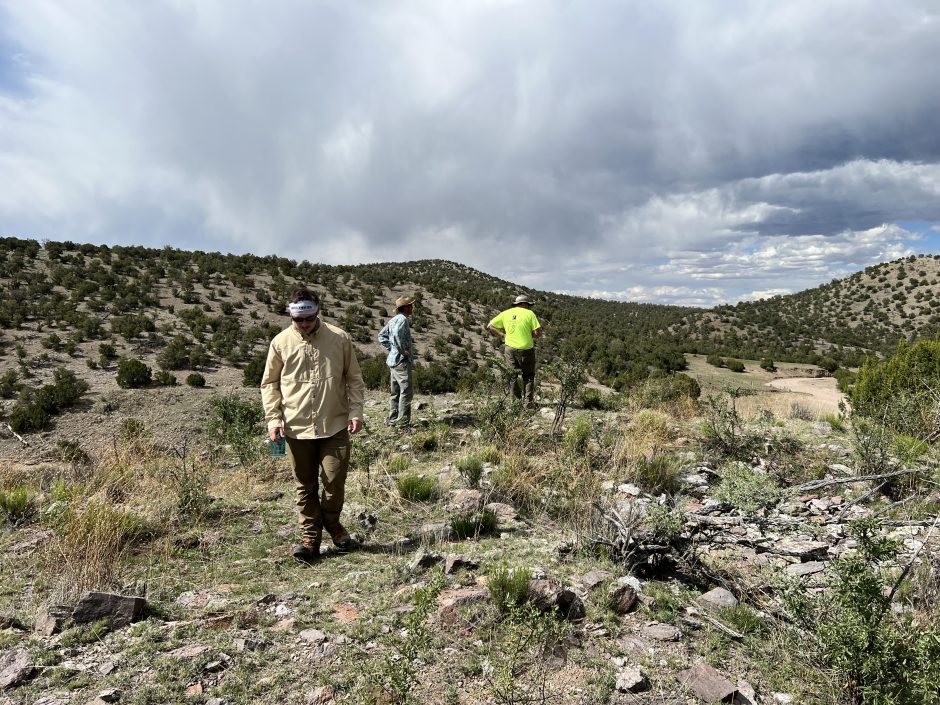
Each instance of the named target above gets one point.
<point>674,151</point>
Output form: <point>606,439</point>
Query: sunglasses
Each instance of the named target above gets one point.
<point>308,319</point>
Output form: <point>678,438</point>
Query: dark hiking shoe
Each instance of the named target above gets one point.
<point>347,544</point>
<point>307,552</point>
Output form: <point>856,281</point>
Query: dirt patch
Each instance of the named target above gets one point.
<point>822,393</point>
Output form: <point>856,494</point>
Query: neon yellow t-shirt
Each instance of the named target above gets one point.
<point>518,322</point>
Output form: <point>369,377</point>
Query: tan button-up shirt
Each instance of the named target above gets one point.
<point>312,385</point>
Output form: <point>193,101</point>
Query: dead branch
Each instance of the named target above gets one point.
<point>819,484</point>
<point>18,436</point>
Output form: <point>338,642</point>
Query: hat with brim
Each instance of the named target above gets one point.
<point>523,299</point>
<point>403,301</point>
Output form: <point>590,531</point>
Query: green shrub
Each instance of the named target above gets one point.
<point>768,364</point>
<point>194,379</point>
<point>579,435</point>
<point>35,407</point>
<point>418,488</point>
<point>491,454</point>
<point>884,657</point>
<point>9,386</point>
<point>17,505</point>
<point>900,389</point>
<point>470,468</point>
<point>834,420</point>
<point>745,489</point>
<point>165,379</point>
<point>131,429</point>
<point>375,372</point>
<point>254,371</point>
<point>398,464</point>
<point>132,374</point>
<point>237,423</point>
<point>474,524</point>
<point>429,439</point>
<point>657,474</point>
<point>70,451</point>
<point>662,524</point>
<point>657,391</point>
<point>509,586</point>
<point>801,413</point>
<point>715,360</point>
<point>734,365</point>
<point>84,634</point>
<point>175,356</point>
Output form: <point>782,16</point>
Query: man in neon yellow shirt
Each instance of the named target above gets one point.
<point>519,328</point>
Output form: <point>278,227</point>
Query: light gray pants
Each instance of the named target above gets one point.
<point>399,403</point>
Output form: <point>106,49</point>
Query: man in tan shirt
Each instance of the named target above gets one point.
<point>312,391</point>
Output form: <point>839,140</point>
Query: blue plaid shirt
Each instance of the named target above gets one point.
<point>396,338</point>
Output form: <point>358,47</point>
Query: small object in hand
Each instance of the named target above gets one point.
<point>278,448</point>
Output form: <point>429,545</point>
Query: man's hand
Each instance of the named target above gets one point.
<point>496,331</point>
<point>275,433</point>
<point>354,425</point>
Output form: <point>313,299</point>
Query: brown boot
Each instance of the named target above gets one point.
<point>343,541</point>
<point>308,551</point>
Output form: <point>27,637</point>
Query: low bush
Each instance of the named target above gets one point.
<point>418,488</point>
<point>398,464</point>
<point>132,374</point>
<point>735,365</point>
<point>657,474</point>
<point>36,407</point>
<point>237,423</point>
<point>578,436</point>
<point>17,505</point>
<point>165,379</point>
<point>474,524</point>
<point>195,379</point>
<point>509,586</point>
<point>768,365</point>
<point>745,489</point>
<point>470,468</point>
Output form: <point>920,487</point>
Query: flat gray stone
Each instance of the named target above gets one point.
<point>15,668</point>
<point>595,579</point>
<point>804,549</point>
<point>503,512</point>
<point>801,570</point>
<point>454,563</point>
<point>547,595</point>
<point>661,632</point>
<point>716,599</point>
<point>314,636</point>
<point>707,683</point>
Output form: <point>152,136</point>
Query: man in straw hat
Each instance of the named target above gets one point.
<point>519,327</point>
<point>312,391</point>
<point>396,338</point>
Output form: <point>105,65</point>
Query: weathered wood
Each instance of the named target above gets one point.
<point>18,436</point>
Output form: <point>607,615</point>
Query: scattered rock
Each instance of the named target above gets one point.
<point>661,632</point>
<point>15,668</point>
<point>424,559</point>
<point>313,636</point>
<point>595,579</point>
<point>324,695</point>
<point>189,651</point>
<point>9,622</point>
<point>840,469</point>
<point>112,695</point>
<point>119,610</point>
<point>707,683</point>
<point>51,619</point>
<point>782,699</point>
<point>632,680</point>
<point>466,500</point>
<point>547,595</point>
<point>803,569</point>
<point>468,595</point>
<point>716,599</point>
<point>634,644</point>
<point>804,549</point>
<point>242,645</point>
<point>505,513</point>
<point>624,599</point>
<point>454,563</point>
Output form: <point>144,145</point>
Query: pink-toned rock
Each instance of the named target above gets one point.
<point>707,683</point>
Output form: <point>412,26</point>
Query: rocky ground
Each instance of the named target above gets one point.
<point>208,606</point>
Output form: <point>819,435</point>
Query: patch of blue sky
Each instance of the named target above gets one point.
<point>927,233</point>
<point>14,65</point>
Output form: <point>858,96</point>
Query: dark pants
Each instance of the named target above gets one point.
<point>320,466</point>
<point>399,403</point>
<point>522,361</point>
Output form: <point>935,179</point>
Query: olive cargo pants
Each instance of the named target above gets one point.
<point>524,362</point>
<point>320,466</point>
